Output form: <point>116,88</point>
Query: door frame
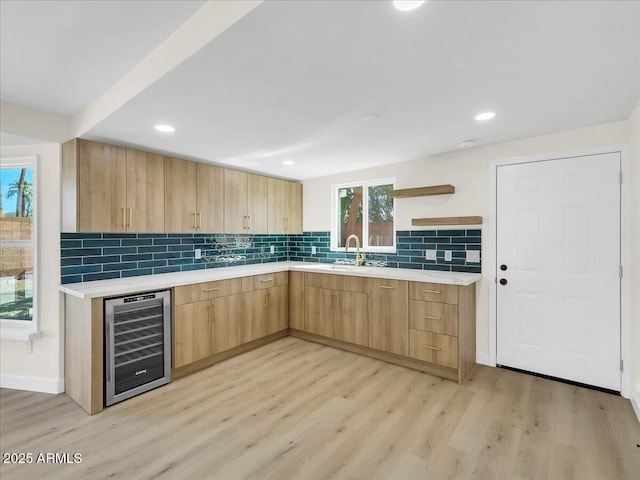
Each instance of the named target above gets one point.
<point>625,249</point>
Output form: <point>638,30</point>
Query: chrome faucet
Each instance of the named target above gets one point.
<point>359,257</point>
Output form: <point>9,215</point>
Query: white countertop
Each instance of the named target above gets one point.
<point>125,286</point>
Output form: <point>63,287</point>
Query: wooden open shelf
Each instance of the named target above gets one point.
<point>425,222</point>
<point>423,191</point>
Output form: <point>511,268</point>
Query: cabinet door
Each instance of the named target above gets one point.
<point>235,201</point>
<point>319,311</point>
<point>226,326</point>
<point>277,309</point>
<point>278,190</point>
<point>351,318</point>
<point>145,192</point>
<point>294,208</point>
<point>388,315</point>
<point>180,196</point>
<point>254,315</point>
<point>257,204</point>
<point>102,187</point>
<point>210,198</point>
<point>192,333</point>
<point>434,348</point>
<point>296,300</point>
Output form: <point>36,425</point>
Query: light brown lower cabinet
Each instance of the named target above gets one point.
<point>264,312</point>
<point>434,348</point>
<point>215,317</point>
<point>427,326</point>
<point>339,314</point>
<point>206,328</point>
<point>350,321</point>
<point>318,311</point>
<point>192,332</point>
<point>388,317</point>
<point>226,323</point>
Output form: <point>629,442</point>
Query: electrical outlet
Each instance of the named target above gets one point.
<point>430,254</point>
<point>272,249</point>
<point>314,250</point>
<point>473,256</point>
<point>198,253</point>
<point>448,256</point>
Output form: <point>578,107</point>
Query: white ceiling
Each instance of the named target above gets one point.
<point>58,56</point>
<point>293,81</point>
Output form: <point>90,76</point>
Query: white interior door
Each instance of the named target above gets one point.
<point>558,258</point>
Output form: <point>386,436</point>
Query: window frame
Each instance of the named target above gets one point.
<point>364,242</point>
<point>25,329</point>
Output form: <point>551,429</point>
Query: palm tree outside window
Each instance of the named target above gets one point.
<point>17,285</point>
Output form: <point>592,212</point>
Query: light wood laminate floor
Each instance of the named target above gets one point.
<point>294,409</point>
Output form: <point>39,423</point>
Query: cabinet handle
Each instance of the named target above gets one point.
<point>124,215</point>
<point>244,222</point>
<point>431,318</point>
<point>211,289</point>
<point>213,312</point>
<point>266,299</point>
<point>387,287</point>
<point>286,223</point>
<point>430,347</point>
<point>249,226</point>
<point>209,311</point>
<point>267,280</point>
<point>130,217</point>
<point>199,220</point>
<point>436,292</point>
<point>195,222</point>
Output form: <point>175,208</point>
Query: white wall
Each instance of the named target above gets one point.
<point>633,267</point>
<point>468,171</point>
<point>43,369</point>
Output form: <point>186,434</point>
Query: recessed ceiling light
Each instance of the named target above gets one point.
<point>288,162</point>
<point>466,144</point>
<point>165,128</point>
<point>485,116</point>
<point>407,5</point>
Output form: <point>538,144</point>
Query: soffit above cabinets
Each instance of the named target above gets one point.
<point>341,86</point>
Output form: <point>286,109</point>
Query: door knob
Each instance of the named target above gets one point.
<point>503,281</point>
<point>503,267</point>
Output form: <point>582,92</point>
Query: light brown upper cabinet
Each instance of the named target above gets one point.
<point>111,189</point>
<point>145,192</point>
<point>194,197</point>
<point>294,208</point>
<point>245,202</point>
<point>285,206</point>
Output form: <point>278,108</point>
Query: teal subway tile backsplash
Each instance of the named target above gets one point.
<point>93,256</point>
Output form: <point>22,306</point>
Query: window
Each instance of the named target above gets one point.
<point>17,240</point>
<point>364,209</point>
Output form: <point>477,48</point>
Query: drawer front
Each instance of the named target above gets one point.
<point>434,348</point>
<point>434,317</point>
<point>335,282</point>
<point>206,291</point>
<point>433,292</point>
<point>268,280</point>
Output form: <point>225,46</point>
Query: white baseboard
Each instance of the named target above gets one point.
<point>483,359</point>
<point>32,384</point>
<point>635,402</point>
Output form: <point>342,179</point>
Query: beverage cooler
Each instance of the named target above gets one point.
<point>137,344</point>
